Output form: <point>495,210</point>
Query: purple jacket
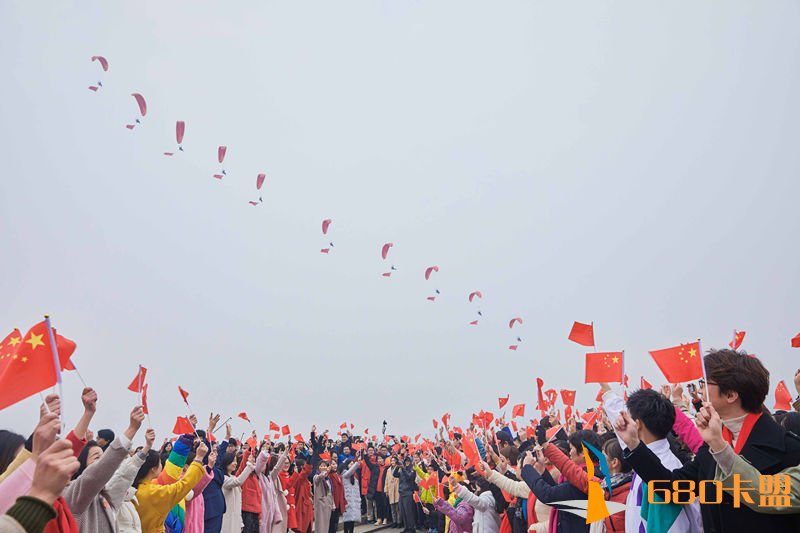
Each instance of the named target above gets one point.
<point>460,516</point>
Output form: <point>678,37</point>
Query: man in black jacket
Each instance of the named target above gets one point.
<point>737,385</point>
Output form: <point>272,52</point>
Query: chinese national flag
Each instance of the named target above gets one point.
<point>604,367</point>
<point>783,399</point>
<point>518,410</point>
<point>445,419</point>
<point>138,381</point>
<point>590,418</point>
<point>644,384</point>
<point>681,363</point>
<point>738,337</point>
<point>182,426</point>
<point>568,397</point>
<point>252,443</point>
<point>343,426</point>
<point>144,400</point>
<point>796,341</point>
<point>541,405</point>
<point>325,456</point>
<point>582,334</point>
<point>285,431</point>
<point>244,416</point>
<point>471,451</point>
<point>435,424</point>
<point>551,396</point>
<point>273,426</point>
<point>503,401</point>
<point>8,348</point>
<point>299,438</point>
<point>184,395</point>
<point>28,368</point>
<point>514,427</point>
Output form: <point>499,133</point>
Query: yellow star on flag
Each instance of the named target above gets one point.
<point>13,341</point>
<point>615,359</point>
<point>692,352</point>
<point>35,340</point>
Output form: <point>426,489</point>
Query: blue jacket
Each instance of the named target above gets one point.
<point>212,495</point>
<point>548,491</point>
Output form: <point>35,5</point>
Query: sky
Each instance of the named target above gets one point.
<point>631,164</point>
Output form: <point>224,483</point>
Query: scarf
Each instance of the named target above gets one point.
<point>617,480</point>
<point>64,522</point>
<point>747,426</point>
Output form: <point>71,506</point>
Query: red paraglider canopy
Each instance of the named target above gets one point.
<point>180,127</point>
<point>429,270</point>
<point>221,153</point>
<point>474,294</point>
<point>325,224</point>
<point>142,104</point>
<point>513,321</point>
<point>385,249</point>
<point>103,62</point>
<point>260,180</point>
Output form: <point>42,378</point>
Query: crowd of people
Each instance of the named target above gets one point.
<point>477,480</point>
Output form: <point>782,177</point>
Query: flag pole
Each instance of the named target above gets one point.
<point>140,384</point>
<point>703,362</point>
<point>56,364</point>
<point>594,341</point>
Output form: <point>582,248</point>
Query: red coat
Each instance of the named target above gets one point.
<point>365,474</point>
<point>251,489</point>
<point>291,515</point>
<point>302,495</point>
<point>616,522</point>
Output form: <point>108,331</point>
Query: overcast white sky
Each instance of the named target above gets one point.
<point>631,163</point>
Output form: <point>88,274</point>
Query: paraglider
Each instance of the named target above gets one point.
<point>180,128</point>
<point>513,347</point>
<point>513,321</point>
<point>325,225</point>
<point>430,270</point>
<point>325,250</point>
<point>251,202</point>
<point>472,295</point>
<point>432,298</point>
<point>385,249</point>
<point>140,101</point>
<point>104,64</point>
<point>221,151</point>
<point>387,274</point>
<point>260,181</point>
<point>473,323</point>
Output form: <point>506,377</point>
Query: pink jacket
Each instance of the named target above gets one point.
<point>687,431</point>
<point>196,506</point>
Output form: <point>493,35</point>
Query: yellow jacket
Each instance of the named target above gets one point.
<point>425,495</point>
<point>155,501</point>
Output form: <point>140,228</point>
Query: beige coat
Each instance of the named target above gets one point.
<point>392,486</point>
<point>323,504</point>
<point>520,489</point>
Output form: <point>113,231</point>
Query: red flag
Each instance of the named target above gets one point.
<point>599,397</point>
<point>285,430</point>
<point>416,497</point>
<point>244,416</point>
<point>514,427</point>
<point>644,384</point>
<point>590,418</point>
<point>325,456</point>
<point>252,443</point>
<point>783,400</point>
<point>29,368</point>
<point>182,426</point>
<point>503,401</point>
<point>366,431</point>
<point>518,410</point>
<point>435,424</point>
<point>417,436</point>
<point>352,426</point>
<point>445,419</point>
<point>471,451</point>
<point>557,432</point>
<point>738,337</point>
<point>273,426</point>
<point>541,406</point>
<point>680,363</point>
<point>796,341</point>
<point>583,334</point>
<point>138,381</point>
<point>343,426</point>
<point>8,348</point>
<point>552,396</point>
<point>276,436</point>
<point>144,400</point>
<point>604,367</point>
<point>625,381</point>
<point>568,397</point>
<point>184,395</point>
<point>299,438</point>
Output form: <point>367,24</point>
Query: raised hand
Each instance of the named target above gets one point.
<point>55,467</point>
<point>89,399</point>
<point>228,431</point>
<point>710,426</point>
<point>627,429</point>
<point>485,470</point>
<point>201,452</point>
<point>193,420</point>
<point>45,434</point>
<point>136,418</point>
<point>665,391</point>
<point>149,439</point>
<point>529,459</point>
<point>52,404</point>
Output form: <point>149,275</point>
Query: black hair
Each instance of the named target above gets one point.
<point>562,445</point>
<point>227,459</point>
<point>613,449</point>
<point>653,410</point>
<point>150,462</point>
<point>84,456</point>
<point>576,439</point>
<point>500,503</point>
<point>679,449</point>
<point>10,443</point>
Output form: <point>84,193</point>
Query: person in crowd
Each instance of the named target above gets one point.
<point>392,491</point>
<point>352,494</point>
<point>337,491</point>
<point>459,512</point>
<point>737,385</point>
<point>323,498</point>
<point>406,489</point>
<point>104,438</point>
